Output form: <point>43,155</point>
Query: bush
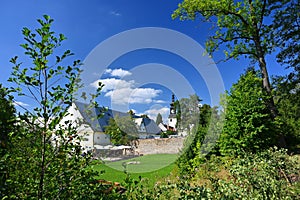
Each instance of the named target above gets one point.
<point>271,174</point>
<point>249,126</point>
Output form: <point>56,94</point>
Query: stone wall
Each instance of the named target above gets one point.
<point>159,146</point>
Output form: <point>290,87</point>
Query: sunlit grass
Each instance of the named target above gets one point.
<point>151,167</point>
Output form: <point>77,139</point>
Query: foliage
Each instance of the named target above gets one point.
<point>287,31</point>
<point>122,130</point>
<point>248,126</point>
<point>158,119</point>
<point>271,174</point>
<point>144,116</point>
<point>45,160</point>
<point>265,175</point>
<point>7,128</point>
<point>201,143</point>
<point>241,29</point>
<point>240,25</point>
<point>7,118</point>
<point>287,93</point>
<point>188,112</point>
<point>167,133</point>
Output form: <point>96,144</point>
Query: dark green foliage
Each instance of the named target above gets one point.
<point>287,26</point>
<point>7,118</point>
<point>188,112</point>
<point>7,128</point>
<point>167,134</point>
<point>122,130</point>
<point>158,119</point>
<point>287,94</point>
<point>248,126</point>
<point>193,153</point>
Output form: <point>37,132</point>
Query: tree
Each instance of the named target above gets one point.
<point>248,124</point>
<point>131,113</point>
<point>46,159</point>
<point>144,116</point>
<point>287,92</point>
<point>7,127</point>
<point>158,119</point>
<point>241,29</point>
<point>188,112</point>
<point>7,118</point>
<point>287,29</point>
<point>122,130</point>
<point>200,141</point>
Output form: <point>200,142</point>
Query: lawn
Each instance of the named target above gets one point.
<point>151,167</point>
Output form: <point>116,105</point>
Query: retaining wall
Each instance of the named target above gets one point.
<point>159,146</point>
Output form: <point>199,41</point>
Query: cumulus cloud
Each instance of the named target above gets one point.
<point>118,72</point>
<point>152,113</point>
<point>124,92</point>
<point>159,101</point>
<point>133,95</point>
<point>113,84</point>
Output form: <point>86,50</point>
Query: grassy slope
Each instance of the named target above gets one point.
<point>151,167</point>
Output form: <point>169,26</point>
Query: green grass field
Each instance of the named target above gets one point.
<point>151,167</point>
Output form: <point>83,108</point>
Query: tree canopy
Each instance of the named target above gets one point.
<point>241,28</point>
<point>248,124</point>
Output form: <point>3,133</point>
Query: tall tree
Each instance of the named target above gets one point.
<point>241,29</point>
<point>200,142</point>
<point>158,119</point>
<point>248,125</point>
<point>188,112</point>
<point>46,161</point>
<point>122,130</point>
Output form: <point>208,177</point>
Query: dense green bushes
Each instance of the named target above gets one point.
<point>249,125</point>
<point>270,174</point>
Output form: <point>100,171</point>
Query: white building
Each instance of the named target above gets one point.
<point>172,119</point>
<point>92,128</point>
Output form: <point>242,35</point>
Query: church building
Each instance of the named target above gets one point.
<point>172,119</point>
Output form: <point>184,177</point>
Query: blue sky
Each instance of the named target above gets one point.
<point>142,79</point>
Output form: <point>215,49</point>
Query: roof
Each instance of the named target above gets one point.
<point>151,126</point>
<point>90,116</point>
<point>98,124</point>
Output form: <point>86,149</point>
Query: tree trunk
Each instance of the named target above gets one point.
<point>271,105</point>
<point>42,175</point>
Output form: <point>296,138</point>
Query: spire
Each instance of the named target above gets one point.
<point>172,106</point>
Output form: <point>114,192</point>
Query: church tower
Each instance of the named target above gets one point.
<point>172,120</point>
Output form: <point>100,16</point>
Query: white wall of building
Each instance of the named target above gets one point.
<point>101,139</point>
<point>172,122</point>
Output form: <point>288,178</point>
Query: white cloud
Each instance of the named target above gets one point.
<point>19,103</point>
<point>118,72</point>
<point>152,113</point>
<point>122,92</point>
<point>113,84</point>
<point>115,13</point>
<point>133,95</point>
<point>159,101</point>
